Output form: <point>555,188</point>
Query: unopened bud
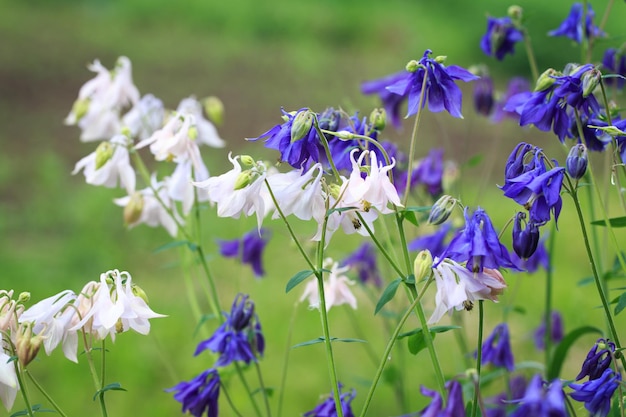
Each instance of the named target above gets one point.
<point>441,59</point>
<point>247,160</point>
<point>344,134</point>
<point>576,162</point>
<point>214,109</point>
<point>27,345</point>
<point>591,79</point>
<point>546,80</point>
<point>301,125</point>
<point>423,265</point>
<point>524,241</point>
<point>378,119</point>
<point>516,13</point>
<point>134,208</point>
<point>412,66</point>
<point>24,297</point>
<point>104,152</point>
<point>244,179</point>
<point>334,190</point>
<point>442,209</point>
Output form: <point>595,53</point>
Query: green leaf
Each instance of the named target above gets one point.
<point>410,216</point>
<point>434,329</point>
<point>614,222</point>
<point>416,341</point>
<point>332,339</point>
<point>474,160</point>
<point>176,244</point>
<point>558,357</point>
<point>388,294</point>
<point>297,279</point>
<point>35,409</point>
<point>417,209</point>
<point>621,303</point>
<point>115,386</point>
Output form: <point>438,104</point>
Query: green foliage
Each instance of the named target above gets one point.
<point>388,294</point>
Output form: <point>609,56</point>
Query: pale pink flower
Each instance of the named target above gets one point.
<point>10,309</point>
<point>336,288</point>
<point>207,133</point>
<point>8,381</point>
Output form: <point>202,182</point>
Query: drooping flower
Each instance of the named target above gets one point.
<point>572,26</point>
<point>537,259</point>
<point>614,62</point>
<point>249,249</point>
<point>239,338</point>
<point>525,241</point>
<point>329,409</point>
<point>363,261</point>
<point>336,288</point>
<point>199,395</point>
<point>597,393</point>
<point>8,380</point>
<point>496,349</point>
<point>483,95</point>
<point>478,244</point>
<point>556,330</point>
<point>206,131</point>
<point>299,193</point>
<point>597,361</point>
<point>501,37</point>
<point>454,406</point>
<point>541,402</point>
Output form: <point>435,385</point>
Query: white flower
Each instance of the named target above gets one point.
<point>237,192</point>
<point>181,187</point>
<point>336,288</point>
<point>174,140</point>
<point>108,165</point>
<point>8,381</point>
<point>299,193</point>
<point>458,288</point>
<point>145,117</point>
<point>207,133</point>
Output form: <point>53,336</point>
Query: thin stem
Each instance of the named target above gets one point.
<point>229,400</point>
<point>44,393</point>
<point>262,386</point>
<point>547,337</point>
<point>479,357</point>
<point>20,382</point>
<point>531,55</point>
<point>242,378</point>
<point>380,247</point>
<point>94,376</point>
<point>418,117</point>
<point>102,373</point>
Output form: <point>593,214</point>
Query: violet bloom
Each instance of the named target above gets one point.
<point>199,395</point>
<point>340,149</point>
<point>537,259</point>
<point>391,101</point>
<point>483,95</point>
<point>434,242</point>
<point>525,241</point>
<point>328,408</point>
<point>572,26</point>
<point>539,402</point>
<point>497,405</point>
<point>429,172</point>
<point>249,249</point>
<point>496,349</point>
<point>504,108</point>
<point>614,62</point>
<point>597,361</point>
<point>363,260</point>
<point>556,330</point>
<point>597,393</point>
<point>500,38</point>
<point>454,405</point>
<point>239,338</point>
<point>478,244</point>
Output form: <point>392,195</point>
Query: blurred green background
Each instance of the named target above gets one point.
<point>57,232</point>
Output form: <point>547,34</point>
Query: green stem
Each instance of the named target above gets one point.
<point>418,117</point>
<point>262,386</point>
<point>94,376</point>
<point>44,393</point>
<point>479,358</point>
<point>229,400</point>
<point>531,56</point>
<point>547,338</point>
<point>242,378</point>
<point>20,382</point>
<point>380,247</point>
<point>102,373</point>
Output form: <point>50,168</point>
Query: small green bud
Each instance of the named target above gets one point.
<point>378,119</point>
<point>412,66</point>
<point>301,125</point>
<point>80,108</point>
<point>214,109</point>
<point>609,130</point>
<point>516,13</point>
<point>104,152</point>
<point>423,265</point>
<point>546,80</point>
<point>247,160</point>
<point>134,208</point>
<point>591,79</point>
<point>344,134</point>
<point>442,209</point>
<point>24,297</point>
<point>126,132</point>
<point>441,59</point>
<point>244,179</point>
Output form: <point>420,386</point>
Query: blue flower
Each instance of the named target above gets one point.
<point>478,244</point>
<point>496,349</point>
<point>328,408</point>
<point>597,393</point>
<point>572,26</point>
<point>497,405</point>
<point>516,86</point>
<point>525,241</point>
<point>435,242</point>
<point>340,149</point>
<point>454,406</point>
<point>614,61</point>
<point>363,260</point>
<point>391,101</point>
<point>483,95</point>
<point>537,402</point>
<point>249,249</point>
<point>556,330</point>
<point>500,38</point>
<point>537,259</point>
<point>239,338</point>
<point>429,172</point>
<point>199,395</point>
<point>597,361</point>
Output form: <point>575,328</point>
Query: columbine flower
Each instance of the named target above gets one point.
<point>458,288</point>
<point>391,101</point>
<point>454,406</point>
<point>537,259</point>
<point>483,95</point>
<point>525,241</point>
<point>206,132</point>
<point>8,380</point>
<point>597,361</point>
<point>10,311</point>
<point>328,408</point>
<point>496,349</point>
<point>199,395</point>
<point>434,242</point>
<point>249,249</point>
<point>614,61</point>
<point>500,38</point>
<point>239,338</point>
<point>501,402</point>
<point>180,184</point>
<point>597,393</point>
<point>478,244</point>
<point>336,288</point>
<point>515,87</point>
<point>363,260</point>
<point>539,402</point>
<point>299,193</point>
<point>572,26</point>
<point>341,148</point>
<point>109,165</point>
<point>145,117</point>
<point>556,330</point>
<point>576,162</point>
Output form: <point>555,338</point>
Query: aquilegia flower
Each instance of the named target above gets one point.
<point>199,395</point>
<point>572,26</point>
<point>597,393</point>
<point>239,338</point>
<point>541,402</point>
<point>329,409</point>
<point>391,101</point>
<point>434,242</point>
<point>556,330</point>
<point>441,91</point>
<point>454,406</point>
<point>496,349</point>
<point>483,95</point>
<point>8,380</point>
<point>525,241</point>
<point>249,249</point>
<point>363,261</point>
<point>500,38</point>
<point>614,62</point>
<point>515,87</point>
<point>336,288</point>
<point>597,361</point>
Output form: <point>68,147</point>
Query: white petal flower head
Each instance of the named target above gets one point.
<point>237,191</point>
<point>458,288</point>
<point>174,140</point>
<point>181,187</point>
<point>8,381</point>
<point>109,165</point>
<point>207,133</point>
<point>336,288</point>
<point>145,118</point>
<point>122,91</point>
<point>299,193</point>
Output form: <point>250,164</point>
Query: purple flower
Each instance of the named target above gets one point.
<point>391,101</point>
<point>454,406</point>
<point>539,258</point>
<point>597,361</point>
<point>500,38</point>
<point>328,408</point>
<point>249,249</point>
<point>435,242</point>
<point>239,338</point>
<point>614,61</point>
<point>516,86</point>
<point>496,349</point>
<point>525,241</point>
<point>572,26</point>
<point>483,95</point>
<point>340,149</point>
<point>500,402</point>
<point>363,260</point>
<point>199,395</point>
<point>478,244</point>
<point>539,402</point>
<point>556,330</point>
<point>429,172</point>
<point>576,162</point>
<point>597,393</point>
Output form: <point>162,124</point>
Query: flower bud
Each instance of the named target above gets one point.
<point>104,152</point>
<point>591,79</point>
<point>576,162</point>
<point>378,119</point>
<point>244,179</point>
<point>139,292</point>
<point>27,345</point>
<point>413,66</point>
<point>516,13</point>
<point>344,134</point>
<point>247,160</point>
<point>301,125</point>
<point>441,59</point>
<point>134,208</point>
<point>24,297</point>
<point>423,265</point>
<point>80,108</point>
<point>442,209</point>
<point>525,241</point>
<point>546,80</point>
<point>214,108</point>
